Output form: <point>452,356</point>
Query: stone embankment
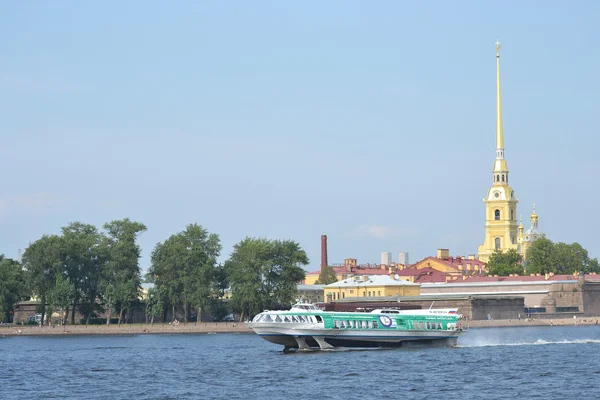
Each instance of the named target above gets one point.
<point>234,327</point>
<point>125,329</point>
<point>496,323</point>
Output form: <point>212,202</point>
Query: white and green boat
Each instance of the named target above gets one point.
<point>305,326</point>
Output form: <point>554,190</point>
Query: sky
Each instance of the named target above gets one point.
<point>370,122</point>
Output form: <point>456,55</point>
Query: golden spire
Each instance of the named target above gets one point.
<point>500,169</point>
<point>499,133</point>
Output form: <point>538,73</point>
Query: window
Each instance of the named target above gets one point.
<point>364,294</point>
<point>379,293</point>
<point>512,214</point>
<point>497,215</point>
<point>343,295</point>
<point>369,294</point>
<point>497,178</point>
<point>502,178</point>
<point>497,240</point>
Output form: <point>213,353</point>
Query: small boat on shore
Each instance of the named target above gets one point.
<point>306,326</point>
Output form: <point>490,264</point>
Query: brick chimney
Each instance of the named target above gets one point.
<point>323,251</point>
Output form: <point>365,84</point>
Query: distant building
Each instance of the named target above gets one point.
<point>526,239</point>
<point>442,268</point>
<point>310,293</point>
<point>351,268</point>
<point>403,258</point>
<point>386,258</point>
<point>370,286</point>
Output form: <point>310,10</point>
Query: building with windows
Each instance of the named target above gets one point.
<point>371,286</point>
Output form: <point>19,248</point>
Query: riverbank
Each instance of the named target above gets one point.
<point>497,323</point>
<point>125,329</point>
<point>235,327</point>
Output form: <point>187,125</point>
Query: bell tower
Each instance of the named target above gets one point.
<point>501,203</point>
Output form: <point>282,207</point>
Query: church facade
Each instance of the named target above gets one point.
<point>502,231</point>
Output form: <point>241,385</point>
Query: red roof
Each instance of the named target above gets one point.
<point>432,277</point>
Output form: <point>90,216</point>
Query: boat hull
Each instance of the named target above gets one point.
<point>315,338</point>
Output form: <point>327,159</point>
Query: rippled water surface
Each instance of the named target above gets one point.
<point>536,362</point>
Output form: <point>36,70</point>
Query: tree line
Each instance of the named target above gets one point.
<point>544,256</point>
<point>96,271</point>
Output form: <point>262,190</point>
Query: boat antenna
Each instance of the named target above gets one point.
<point>431,304</point>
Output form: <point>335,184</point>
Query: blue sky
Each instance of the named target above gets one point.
<point>371,122</point>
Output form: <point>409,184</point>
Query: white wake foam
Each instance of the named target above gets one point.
<point>539,342</point>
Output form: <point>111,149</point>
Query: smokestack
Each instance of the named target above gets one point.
<point>323,251</point>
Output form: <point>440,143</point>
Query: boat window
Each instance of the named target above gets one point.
<point>375,325</point>
<point>336,324</point>
<point>286,319</point>
<point>319,319</point>
<point>294,318</point>
<point>267,318</point>
<point>277,318</point>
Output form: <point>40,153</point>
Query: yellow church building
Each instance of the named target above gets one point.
<point>502,231</point>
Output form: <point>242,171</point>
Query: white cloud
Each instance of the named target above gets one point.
<point>381,231</point>
<point>36,203</point>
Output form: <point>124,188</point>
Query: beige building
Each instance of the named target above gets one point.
<point>371,286</point>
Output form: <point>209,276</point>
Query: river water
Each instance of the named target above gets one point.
<point>502,363</point>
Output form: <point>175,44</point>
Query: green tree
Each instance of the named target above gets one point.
<point>593,266</point>
<point>544,256</point>
<point>541,257</point>
<point>264,273</point>
<point>155,303</point>
<point>505,263</point>
<point>326,276</point>
<point>184,268</point>
<point>84,255</point>
<point>13,287</point>
<point>42,260</point>
<point>121,276</point>
<point>60,297</point>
